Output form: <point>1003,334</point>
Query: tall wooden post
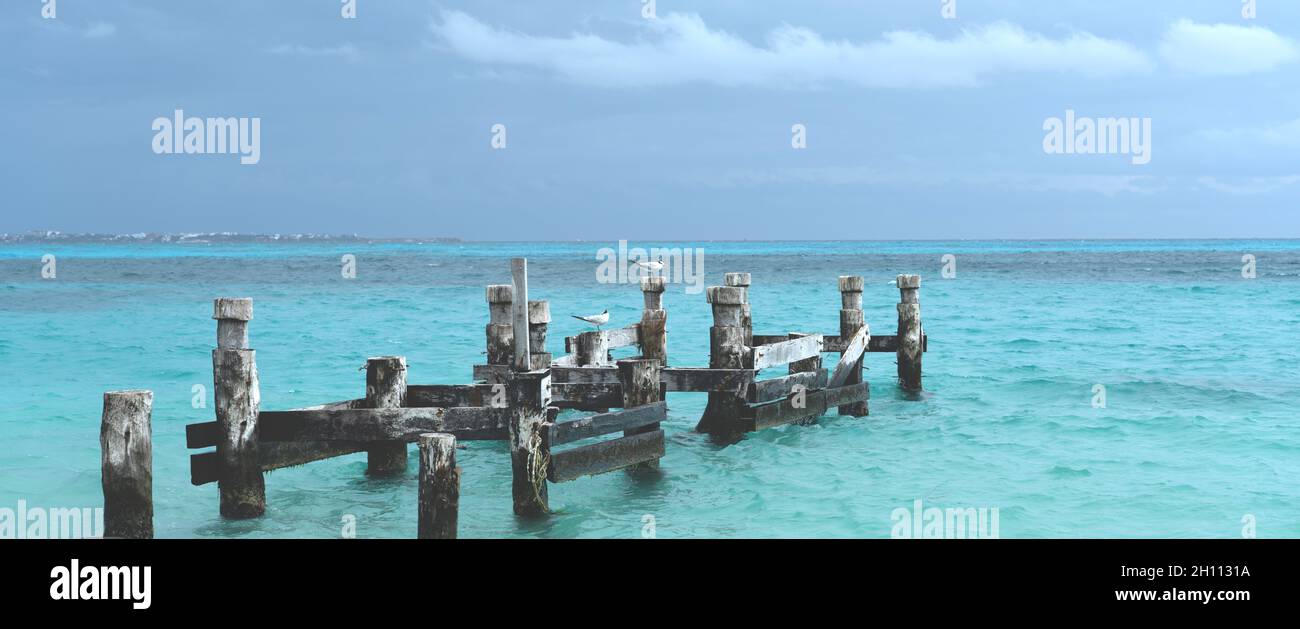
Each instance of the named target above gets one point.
<point>386,388</point>
<point>726,351</point>
<point>519,314</point>
<point>851,320</point>
<point>500,333</point>
<point>439,498</point>
<point>529,394</point>
<point>641,385</point>
<point>654,321</point>
<point>741,281</point>
<point>539,318</point>
<point>126,464</point>
<point>238,397</point>
<point>909,333</point>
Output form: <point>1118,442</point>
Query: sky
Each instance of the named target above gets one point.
<point>702,120</point>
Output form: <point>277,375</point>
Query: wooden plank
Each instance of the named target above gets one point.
<point>606,456</point>
<point>850,357</point>
<point>205,434</point>
<point>605,423</point>
<point>447,395</point>
<point>768,339</point>
<point>778,388</point>
<point>585,395</point>
<point>885,343</point>
<point>848,394</point>
<point>380,424</point>
<point>783,412</point>
<point>697,379</point>
<point>784,352</point>
<point>702,379</point>
<point>519,313</point>
<point>274,456</point>
<point>492,374</point>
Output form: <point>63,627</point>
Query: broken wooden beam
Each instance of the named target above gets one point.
<point>851,358</point>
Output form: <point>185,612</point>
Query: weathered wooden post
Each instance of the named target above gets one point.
<point>593,349</point>
<point>654,321</point>
<point>500,333</point>
<point>126,464</point>
<point>726,351</point>
<point>519,314</point>
<point>851,320</point>
<point>741,281</point>
<point>386,388</point>
<point>238,396</point>
<point>529,394</point>
<point>641,385</point>
<point>439,501</point>
<point>909,333</point>
<point>539,318</point>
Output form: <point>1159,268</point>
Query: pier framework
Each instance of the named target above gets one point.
<point>516,397</point>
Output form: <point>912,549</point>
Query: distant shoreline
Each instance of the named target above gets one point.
<point>51,236</point>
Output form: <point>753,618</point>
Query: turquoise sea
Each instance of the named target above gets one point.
<point>1200,427</point>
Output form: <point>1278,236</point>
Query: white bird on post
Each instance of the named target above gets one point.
<point>596,320</point>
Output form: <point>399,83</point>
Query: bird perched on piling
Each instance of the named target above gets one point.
<point>596,320</point>
<point>651,267</point>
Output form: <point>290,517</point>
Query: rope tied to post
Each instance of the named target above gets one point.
<point>537,464</point>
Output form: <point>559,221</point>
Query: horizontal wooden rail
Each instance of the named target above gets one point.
<point>605,456</point>
<point>206,434</point>
<point>699,379</point>
<point>605,423</point>
<point>383,424</point>
<point>814,404</point>
<point>785,352</point>
<point>778,388</point>
<point>447,395</point>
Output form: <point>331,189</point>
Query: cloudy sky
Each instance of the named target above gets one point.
<point>677,127</point>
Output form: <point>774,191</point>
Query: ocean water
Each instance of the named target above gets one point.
<point>1200,367</point>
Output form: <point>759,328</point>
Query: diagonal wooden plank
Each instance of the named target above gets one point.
<point>849,359</point>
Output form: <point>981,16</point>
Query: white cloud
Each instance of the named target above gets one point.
<point>347,51</point>
<point>680,48</point>
<point>1225,49</point>
<point>99,30</point>
<point>1285,135</point>
<point>1250,185</point>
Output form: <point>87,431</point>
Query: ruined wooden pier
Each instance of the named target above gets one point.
<point>516,397</point>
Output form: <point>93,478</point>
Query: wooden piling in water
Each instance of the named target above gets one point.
<point>439,497</point>
<point>238,397</point>
<point>500,332</point>
<point>126,464</point>
<point>640,382</point>
<point>726,351</point>
<point>592,349</point>
<point>539,319</point>
<point>654,321</point>
<point>529,394</point>
<point>909,332</point>
<point>386,388</point>
<point>741,281</point>
<point>851,320</point>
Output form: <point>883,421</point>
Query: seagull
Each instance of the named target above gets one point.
<point>651,267</point>
<point>596,320</point>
